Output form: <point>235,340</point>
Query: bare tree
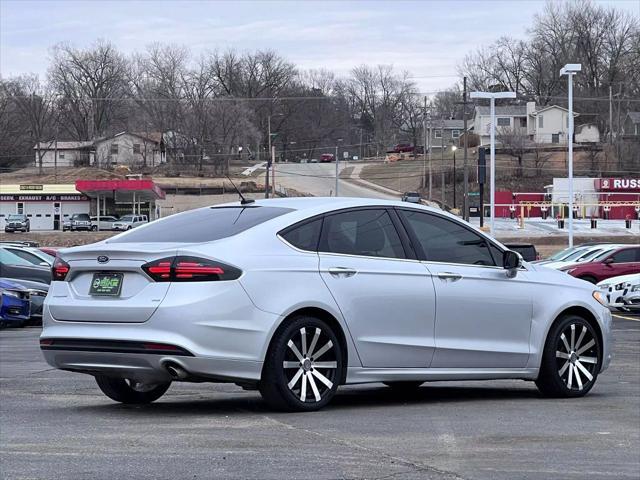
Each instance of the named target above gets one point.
<point>36,107</point>
<point>514,142</point>
<point>92,84</point>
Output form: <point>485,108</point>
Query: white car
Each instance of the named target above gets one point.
<point>297,296</point>
<point>623,292</point>
<point>106,222</point>
<point>127,222</point>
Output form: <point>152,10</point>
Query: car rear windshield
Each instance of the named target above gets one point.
<point>201,225</point>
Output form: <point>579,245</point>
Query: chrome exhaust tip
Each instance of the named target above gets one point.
<point>176,371</point>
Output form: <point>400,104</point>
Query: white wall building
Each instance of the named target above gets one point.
<point>68,154</point>
<point>547,125</point>
<point>46,206</point>
<point>132,149</point>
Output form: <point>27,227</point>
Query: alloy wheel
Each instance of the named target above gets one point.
<point>577,356</point>
<point>310,364</point>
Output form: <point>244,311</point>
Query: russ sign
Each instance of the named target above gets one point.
<point>618,184</point>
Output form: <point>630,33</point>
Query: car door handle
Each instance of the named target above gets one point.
<point>342,272</point>
<point>454,277</point>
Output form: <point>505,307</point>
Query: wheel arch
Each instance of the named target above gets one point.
<point>581,312</point>
<point>330,319</point>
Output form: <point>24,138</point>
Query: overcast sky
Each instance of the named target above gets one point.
<point>427,38</point>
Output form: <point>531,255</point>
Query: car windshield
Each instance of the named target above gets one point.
<point>574,255</point>
<point>127,218</point>
<point>80,216</point>
<point>201,225</point>
<point>603,255</point>
<point>16,217</point>
<point>562,254</point>
<point>591,254</point>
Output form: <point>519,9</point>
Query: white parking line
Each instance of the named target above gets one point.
<point>624,317</point>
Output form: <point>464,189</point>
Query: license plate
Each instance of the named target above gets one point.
<point>106,284</point>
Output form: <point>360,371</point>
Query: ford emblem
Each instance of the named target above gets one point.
<point>103,259</point>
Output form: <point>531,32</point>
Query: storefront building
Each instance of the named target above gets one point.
<point>46,206</point>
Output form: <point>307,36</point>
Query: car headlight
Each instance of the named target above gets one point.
<point>599,297</point>
<point>636,288</point>
<point>9,293</point>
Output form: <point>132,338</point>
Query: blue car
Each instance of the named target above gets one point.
<point>15,304</point>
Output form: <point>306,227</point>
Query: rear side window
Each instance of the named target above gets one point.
<point>201,225</point>
<point>368,233</point>
<point>447,241</point>
<point>627,255</point>
<point>305,236</point>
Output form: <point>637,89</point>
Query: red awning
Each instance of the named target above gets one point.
<point>144,190</point>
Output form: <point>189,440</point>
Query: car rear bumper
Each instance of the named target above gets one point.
<point>225,335</point>
<point>153,368</point>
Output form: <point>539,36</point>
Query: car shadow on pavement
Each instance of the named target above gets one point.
<point>350,397</point>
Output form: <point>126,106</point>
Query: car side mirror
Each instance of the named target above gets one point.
<point>608,261</point>
<point>511,262</point>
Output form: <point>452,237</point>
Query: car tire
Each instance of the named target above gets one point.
<point>129,227</point>
<point>404,387</point>
<point>130,392</point>
<point>589,278</point>
<point>94,228</point>
<point>572,346</point>
<point>292,378</point>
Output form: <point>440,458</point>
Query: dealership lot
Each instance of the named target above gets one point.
<point>58,425</point>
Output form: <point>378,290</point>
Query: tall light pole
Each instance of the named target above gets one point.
<point>492,97</point>
<point>271,158</point>
<point>337,170</point>
<point>453,149</point>
<point>570,69</point>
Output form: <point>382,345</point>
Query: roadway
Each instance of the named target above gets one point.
<point>318,179</point>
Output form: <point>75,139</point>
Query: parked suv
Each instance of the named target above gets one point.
<point>106,222</point>
<point>621,261</point>
<point>411,197</point>
<point>80,221</point>
<point>128,222</point>
<point>16,222</point>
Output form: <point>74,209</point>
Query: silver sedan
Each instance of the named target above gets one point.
<point>297,296</point>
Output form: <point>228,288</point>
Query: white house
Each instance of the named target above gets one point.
<point>544,125</point>
<point>507,116</point>
<point>68,154</point>
<point>130,148</point>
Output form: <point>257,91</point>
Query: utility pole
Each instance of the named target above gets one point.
<point>424,148</point>
<point>442,157</point>
<point>610,114</point>
<point>465,197</point>
<point>429,152</point>
<point>337,167</point>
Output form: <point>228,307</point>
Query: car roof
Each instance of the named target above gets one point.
<point>328,203</point>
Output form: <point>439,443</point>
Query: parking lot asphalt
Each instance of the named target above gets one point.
<point>57,425</point>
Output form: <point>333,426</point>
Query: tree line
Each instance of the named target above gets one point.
<point>224,99</point>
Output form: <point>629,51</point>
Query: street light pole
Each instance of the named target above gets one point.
<point>269,160</point>
<point>492,97</point>
<point>454,148</point>
<point>337,168</point>
<point>570,70</point>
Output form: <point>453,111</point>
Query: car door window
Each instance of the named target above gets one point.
<point>8,258</point>
<point>29,257</point>
<point>368,232</point>
<point>305,236</point>
<point>447,241</point>
<point>625,256</point>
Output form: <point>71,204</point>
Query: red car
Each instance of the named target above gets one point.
<point>621,261</point>
<point>327,158</point>
<point>402,148</point>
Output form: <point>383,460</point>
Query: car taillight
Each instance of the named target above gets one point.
<point>60,269</point>
<point>189,269</point>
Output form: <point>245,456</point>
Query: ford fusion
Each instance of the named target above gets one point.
<point>296,297</point>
